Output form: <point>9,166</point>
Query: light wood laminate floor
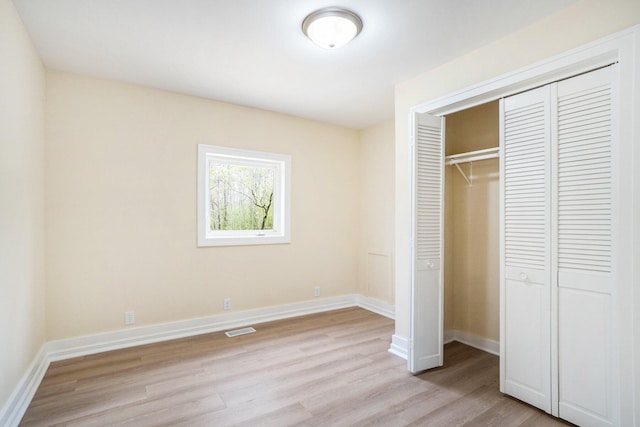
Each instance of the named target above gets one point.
<point>328,369</point>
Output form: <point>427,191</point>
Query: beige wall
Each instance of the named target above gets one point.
<point>21,201</point>
<point>580,23</point>
<point>472,257</point>
<point>121,199</point>
<point>375,257</point>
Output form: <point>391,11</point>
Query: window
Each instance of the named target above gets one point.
<point>243,197</point>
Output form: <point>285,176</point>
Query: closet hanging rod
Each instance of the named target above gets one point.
<point>473,156</point>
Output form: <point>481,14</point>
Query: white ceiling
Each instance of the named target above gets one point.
<point>253,52</point>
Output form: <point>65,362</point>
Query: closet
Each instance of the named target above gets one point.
<point>558,246</point>
<point>569,239</point>
<point>471,227</point>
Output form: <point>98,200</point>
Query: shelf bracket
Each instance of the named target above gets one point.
<point>473,156</point>
<point>469,179</point>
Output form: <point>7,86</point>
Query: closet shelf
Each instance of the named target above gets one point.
<point>470,157</point>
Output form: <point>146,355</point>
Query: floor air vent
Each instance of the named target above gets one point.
<point>237,332</point>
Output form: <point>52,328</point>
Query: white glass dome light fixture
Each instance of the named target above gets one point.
<point>332,27</point>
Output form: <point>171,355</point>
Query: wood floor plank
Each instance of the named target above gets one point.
<point>327,369</point>
<point>150,411</point>
<point>507,411</point>
<point>462,410</point>
<point>49,411</point>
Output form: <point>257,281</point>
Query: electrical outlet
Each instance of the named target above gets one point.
<point>316,291</point>
<point>129,317</point>
<point>227,304</point>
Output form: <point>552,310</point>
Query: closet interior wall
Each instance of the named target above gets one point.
<point>471,232</point>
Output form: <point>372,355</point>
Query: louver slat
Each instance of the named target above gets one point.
<point>584,181</point>
<point>428,188</point>
<point>524,178</point>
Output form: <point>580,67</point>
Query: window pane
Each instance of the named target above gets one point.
<point>240,196</point>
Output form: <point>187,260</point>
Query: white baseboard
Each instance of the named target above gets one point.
<point>399,347</point>
<point>17,404</point>
<point>449,336</point>
<point>481,343</point>
<point>130,337</point>
<point>375,305</point>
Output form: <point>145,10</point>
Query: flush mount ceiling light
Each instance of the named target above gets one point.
<point>332,27</point>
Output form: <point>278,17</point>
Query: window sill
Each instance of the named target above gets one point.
<point>243,241</point>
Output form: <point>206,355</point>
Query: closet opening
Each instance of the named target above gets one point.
<point>472,227</point>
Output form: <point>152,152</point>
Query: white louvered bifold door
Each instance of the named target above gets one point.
<point>425,347</point>
<point>525,249</point>
<point>583,189</point>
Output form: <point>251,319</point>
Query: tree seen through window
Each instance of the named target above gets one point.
<point>240,196</point>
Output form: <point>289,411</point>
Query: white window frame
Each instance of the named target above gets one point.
<point>281,232</point>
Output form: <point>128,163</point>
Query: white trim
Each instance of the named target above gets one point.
<point>18,402</point>
<point>14,408</point>
<point>449,336</point>
<point>399,347</point>
<point>130,337</point>
<point>472,340</point>
<point>280,163</point>
<point>375,305</point>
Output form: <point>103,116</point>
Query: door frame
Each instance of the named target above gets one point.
<point>622,47</point>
